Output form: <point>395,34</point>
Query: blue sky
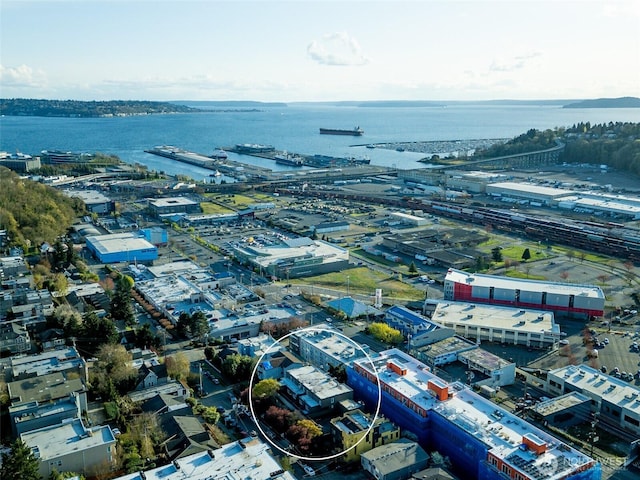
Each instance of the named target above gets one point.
<point>319,50</point>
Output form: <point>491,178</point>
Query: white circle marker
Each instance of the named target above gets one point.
<point>301,457</point>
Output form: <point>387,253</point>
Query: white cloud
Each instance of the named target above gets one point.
<point>21,76</point>
<point>513,63</point>
<point>337,49</point>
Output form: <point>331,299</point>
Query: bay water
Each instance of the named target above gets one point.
<point>294,128</point>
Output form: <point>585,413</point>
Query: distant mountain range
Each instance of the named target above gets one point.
<point>113,108</point>
<point>622,102</point>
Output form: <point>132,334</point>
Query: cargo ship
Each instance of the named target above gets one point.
<point>356,132</point>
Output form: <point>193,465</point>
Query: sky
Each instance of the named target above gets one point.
<point>327,50</point>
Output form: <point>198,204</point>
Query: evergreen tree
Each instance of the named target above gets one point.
<point>496,254</point>
<point>20,463</point>
<point>412,268</point>
<point>121,306</point>
<point>526,255</point>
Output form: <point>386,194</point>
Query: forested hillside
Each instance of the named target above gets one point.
<point>32,212</point>
<point>77,108</point>
<point>614,144</point>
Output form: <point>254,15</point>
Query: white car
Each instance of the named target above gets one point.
<point>308,470</point>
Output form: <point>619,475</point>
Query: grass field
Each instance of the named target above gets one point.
<point>209,208</point>
<point>364,281</point>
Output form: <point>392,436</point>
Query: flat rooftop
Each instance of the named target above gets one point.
<point>68,437</point>
<point>331,343</point>
<point>522,320</point>
<point>173,268</point>
<point>598,384</point>
<point>317,382</point>
<point>171,202</point>
<point>43,388</point>
<point>291,249</point>
<point>558,404</point>
<point>46,362</point>
<point>604,203</point>
<point>120,242</point>
<point>447,346</point>
<point>479,280</point>
<point>504,433</point>
<point>521,189</point>
<point>412,385</point>
<point>249,458</point>
<point>485,359</point>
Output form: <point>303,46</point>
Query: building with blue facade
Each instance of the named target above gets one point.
<point>482,440</point>
<point>121,247</point>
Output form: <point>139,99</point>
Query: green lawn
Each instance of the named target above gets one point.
<point>209,208</point>
<point>364,281</point>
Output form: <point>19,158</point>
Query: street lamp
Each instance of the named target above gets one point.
<point>348,278</point>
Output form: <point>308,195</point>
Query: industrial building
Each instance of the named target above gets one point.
<point>244,459</point>
<point>610,396</point>
<point>349,429</point>
<point>408,219</point>
<point>572,300</point>
<point>471,182</point>
<point>95,201</point>
<point>157,236</point>
<point>481,439</point>
<point>527,192</point>
<point>323,347</point>
<point>611,205</point>
<point>292,257</point>
<point>122,247</point>
<point>490,323</point>
<point>171,205</point>
<point>564,411</point>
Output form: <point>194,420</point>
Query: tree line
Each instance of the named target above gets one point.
<point>78,108</point>
<point>615,144</point>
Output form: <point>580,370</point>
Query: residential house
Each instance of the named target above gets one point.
<point>354,435</point>
<point>70,446</point>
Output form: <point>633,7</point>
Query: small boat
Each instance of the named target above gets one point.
<point>357,131</point>
<point>215,174</point>
<point>371,145</point>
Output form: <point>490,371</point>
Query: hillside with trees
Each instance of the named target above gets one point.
<point>616,145</point>
<point>33,213</point>
<point>76,108</point>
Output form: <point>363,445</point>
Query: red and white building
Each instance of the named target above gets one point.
<point>561,298</point>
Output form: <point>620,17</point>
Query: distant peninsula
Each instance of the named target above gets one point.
<point>622,102</point>
<point>84,109</point>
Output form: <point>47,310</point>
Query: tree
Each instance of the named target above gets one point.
<point>303,433</point>
<point>198,325</point>
<point>496,254</point>
<point>69,319</point>
<point>564,275</point>
<point>20,463</point>
<point>121,303</point>
<point>146,339</point>
<point>280,418</point>
<point>265,388</point>
<point>526,255</point>
<point>412,268</point>
<point>55,475</point>
<point>178,366</point>
<point>95,332</point>
<point>384,333</point>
